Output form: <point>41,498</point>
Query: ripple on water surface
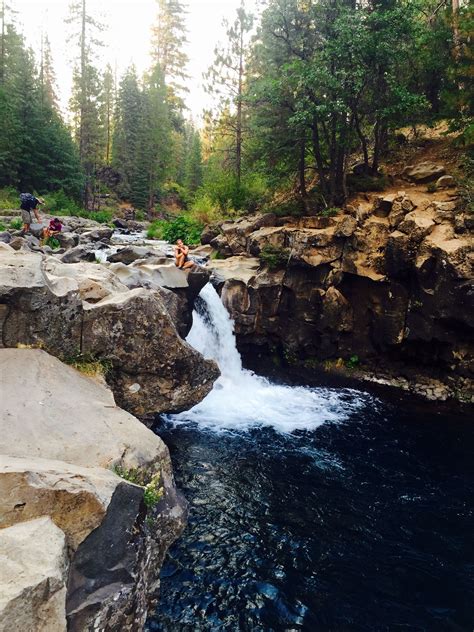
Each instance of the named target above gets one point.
<point>314,509</point>
<point>362,525</point>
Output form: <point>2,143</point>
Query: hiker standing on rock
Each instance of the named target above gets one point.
<point>29,203</point>
<point>181,255</point>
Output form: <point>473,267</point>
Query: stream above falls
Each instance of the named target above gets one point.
<point>314,509</point>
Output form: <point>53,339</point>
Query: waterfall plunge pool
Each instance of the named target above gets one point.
<point>314,509</point>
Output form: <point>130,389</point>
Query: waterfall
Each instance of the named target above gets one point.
<point>241,399</point>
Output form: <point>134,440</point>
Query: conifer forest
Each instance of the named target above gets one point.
<point>300,91</point>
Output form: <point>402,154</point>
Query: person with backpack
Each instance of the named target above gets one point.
<point>28,204</point>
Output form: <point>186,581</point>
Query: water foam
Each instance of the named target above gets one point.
<point>241,399</point>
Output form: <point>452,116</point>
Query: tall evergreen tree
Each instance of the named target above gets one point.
<point>36,151</point>
<point>86,94</point>
<point>127,130</point>
<point>193,167</point>
<point>226,79</point>
<point>168,43</point>
<point>155,138</point>
<point>107,111</point>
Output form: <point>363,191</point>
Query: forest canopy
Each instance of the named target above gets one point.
<point>302,93</point>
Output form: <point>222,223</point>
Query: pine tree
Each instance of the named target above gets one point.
<point>155,138</point>
<point>168,42</point>
<point>226,79</point>
<point>127,129</point>
<point>36,150</point>
<point>107,113</point>
<point>86,96</point>
<point>193,170</point>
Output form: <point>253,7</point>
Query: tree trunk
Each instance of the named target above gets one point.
<point>2,48</point>
<point>456,35</point>
<point>109,122</point>
<point>319,159</point>
<point>362,138</point>
<point>238,139</point>
<point>302,173</point>
<point>332,161</point>
<point>82,82</point>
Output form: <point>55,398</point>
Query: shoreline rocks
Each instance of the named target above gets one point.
<point>61,438</point>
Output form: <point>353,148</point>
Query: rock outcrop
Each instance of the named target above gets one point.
<point>84,309</point>
<point>33,557</point>
<point>391,286</point>
<point>77,542</point>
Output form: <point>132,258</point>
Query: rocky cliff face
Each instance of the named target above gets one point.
<point>79,547</point>
<point>387,287</point>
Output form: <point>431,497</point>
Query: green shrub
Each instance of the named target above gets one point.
<point>58,203</point>
<point>16,223</point>
<point>152,489</point>
<point>329,212</point>
<point>431,187</point>
<point>155,230</point>
<point>182,227</point>
<point>2,227</point>
<point>274,257</point>
<point>9,198</point>
<point>223,190</point>
<point>353,362</point>
<point>103,217</point>
<point>140,216</point>
<point>53,243</point>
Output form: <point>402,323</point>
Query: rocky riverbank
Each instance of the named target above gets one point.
<point>88,503</point>
<point>382,290</point>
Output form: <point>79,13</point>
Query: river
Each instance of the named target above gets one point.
<point>316,509</point>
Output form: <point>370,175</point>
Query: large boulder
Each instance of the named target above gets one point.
<point>84,252</point>
<point>60,446</point>
<point>98,234</point>
<point>416,225</point>
<point>153,368</point>
<point>424,172</point>
<point>33,559</point>
<point>129,254</point>
<point>67,240</point>
<point>71,309</point>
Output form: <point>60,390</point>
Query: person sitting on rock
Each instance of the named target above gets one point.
<point>181,252</point>
<point>29,203</point>
<point>54,228</point>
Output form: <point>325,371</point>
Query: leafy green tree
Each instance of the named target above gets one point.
<point>330,78</point>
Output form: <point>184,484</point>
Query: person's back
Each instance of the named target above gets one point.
<point>28,204</point>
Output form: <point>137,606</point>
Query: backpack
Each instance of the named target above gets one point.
<point>27,198</point>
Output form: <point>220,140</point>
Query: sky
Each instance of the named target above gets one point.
<point>127,37</point>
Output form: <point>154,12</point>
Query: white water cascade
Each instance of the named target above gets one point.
<point>241,399</point>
